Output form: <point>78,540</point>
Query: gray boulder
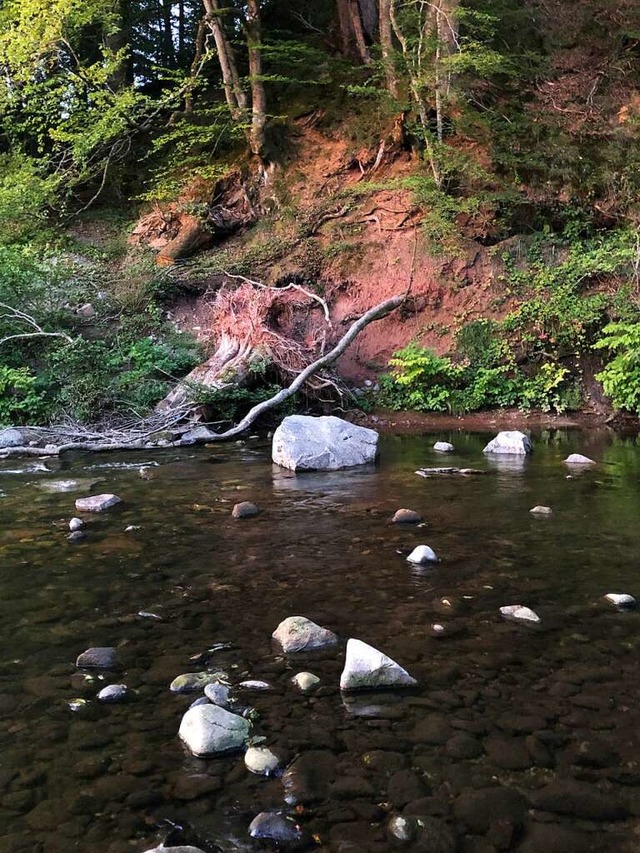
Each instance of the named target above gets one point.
<point>98,657</point>
<point>303,443</point>
<point>245,509</point>
<point>366,668</point>
<point>209,729</point>
<point>190,682</point>
<point>273,826</point>
<point>113,693</point>
<point>511,442</point>
<point>262,760</point>
<point>97,503</point>
<point>11,438</point>
<point>299,634</point>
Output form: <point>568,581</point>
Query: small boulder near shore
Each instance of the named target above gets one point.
<point>209,729</point>
<point>621,600</point>
<point>11,438</point>
<point>579,459</point>
<point>511,442</point>
<point>365,668</point>
<point>443,447</point>
<point>421,555</point>
<point>299,634</point>
<point>541,510</point>
<point>97,503</point>
<point>327,443</point>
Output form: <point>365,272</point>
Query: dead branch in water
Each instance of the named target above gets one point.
<point>135,438</point>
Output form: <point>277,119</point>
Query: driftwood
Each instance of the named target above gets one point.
<point>137,438</point>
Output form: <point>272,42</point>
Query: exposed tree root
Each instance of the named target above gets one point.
<point>232,356</point>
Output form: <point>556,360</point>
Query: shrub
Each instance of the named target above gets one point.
<point>621,376</point>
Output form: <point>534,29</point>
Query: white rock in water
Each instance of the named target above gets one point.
<point>97,503</point>
<point>579,459</point>
<point>305,681</point>
<point>11,438</point>
<point>443,447</point>
<point>183,848</point>
<point>541,510</point>
<point>519,613</point>
<point>299,634</point>
<point>113,693</point>
<point>622,600</point>
<point>75,524</point>
<point>366,667</point>
<point>209,729</point>
<point>303,443</point>
<point>260,760</point>
<point>422,554</point>
<point>254,684</point>
<point>510,442</point>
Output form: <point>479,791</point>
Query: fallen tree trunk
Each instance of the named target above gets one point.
<point>137,441</point>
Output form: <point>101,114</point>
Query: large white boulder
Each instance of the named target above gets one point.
<point>511,442</point>
<point>366,668</point>
<point>209,729</point>
<point>299,634</point>
<point>303,443</point>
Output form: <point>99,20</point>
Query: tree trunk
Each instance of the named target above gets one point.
<point>258,96</point>
<point>195,65</point>
<point>236,98</point>
<point>115,39</point>
<point>358,32</point>
<point>386,45</point>
<point>167,34</point>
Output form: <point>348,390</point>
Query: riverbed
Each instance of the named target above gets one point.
<point>516,737</point>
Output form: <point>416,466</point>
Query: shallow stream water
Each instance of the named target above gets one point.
<point>551,713</point>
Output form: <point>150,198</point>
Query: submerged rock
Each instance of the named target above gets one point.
<point>99,657</point>
<point>621,600</point>
<point>209,729</point>
<point>541,510</point>
<point>443,447</point>
<point>366,668</point>
<point>77,536</point>
<point>406,516</point>
<point>113,693</point>
<point>97,503</point>
<point>299,634</point>
<point>262,761</point>
<point>511,442</point>
<point>273,826</point>
<point>421,555</point>
<point>303,443</point>
<point>245,509</point>
<point>254,684</point>
<point>189,682</point>
<point>579,459</point>
<point>519,613</point>
<point>305,681</point>
<point>307,778</point>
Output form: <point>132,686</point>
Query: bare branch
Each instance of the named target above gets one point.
<point>37,331</point>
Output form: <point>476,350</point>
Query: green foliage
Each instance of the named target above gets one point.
<point>620,376</point>
<point>21,401</point>
<point>423,381</point>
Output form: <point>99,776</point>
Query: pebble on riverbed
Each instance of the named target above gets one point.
<point>75,524</point>
<point>541,510</point>
<point>244,509</point>
<point>189,682</point>
<point>272,826</point>
<point>519,613</point>
<point>305,681</point>
<point>406,516</point>
<point>263,761</point>
<point>113,693</point>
